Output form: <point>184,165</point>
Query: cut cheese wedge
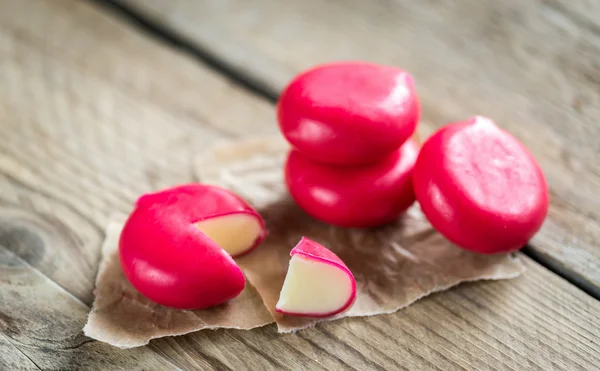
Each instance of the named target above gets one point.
<point>317,284</point>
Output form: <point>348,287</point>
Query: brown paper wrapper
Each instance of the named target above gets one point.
<point>122,317</point>
<point>394,265</point>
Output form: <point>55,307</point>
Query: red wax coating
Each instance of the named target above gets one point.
<point>357,196</point>
<point>169,260</point>
<point>480,187</point>
<point>349,113</point>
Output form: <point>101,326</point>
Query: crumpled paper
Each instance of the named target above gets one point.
<point>393,265</point>
<point>123,317</point>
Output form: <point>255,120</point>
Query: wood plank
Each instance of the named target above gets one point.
<point>51,338</point>
<point>83,136</point>
<point>12,358</point>
<point>535,322</point>
<point>86,135</point>
<point>532,66</point>
<point>92,115</point>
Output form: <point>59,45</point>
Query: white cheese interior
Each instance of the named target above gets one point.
<point>313,287</point>
<point>234,233</point>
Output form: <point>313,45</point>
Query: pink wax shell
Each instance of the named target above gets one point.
<point>349,113</point>
<point>480,187</point>
<point>357,196</point>
<point>168,246</point>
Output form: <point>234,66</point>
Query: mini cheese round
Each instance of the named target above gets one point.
<point>357,196</point>
<point>480,187</point>
<point>349,113</point>
<point>177,245</point>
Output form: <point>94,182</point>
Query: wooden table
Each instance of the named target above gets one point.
<point>102,102</point>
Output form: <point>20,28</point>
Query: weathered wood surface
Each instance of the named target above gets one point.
<point>91,116</point>
<point>12,358</point>
<point>533,66</point>
<point>44,322</point>
<point>93,113</point>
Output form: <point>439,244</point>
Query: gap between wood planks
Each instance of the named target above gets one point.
<point>170,37</point>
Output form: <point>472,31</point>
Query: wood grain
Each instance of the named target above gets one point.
<point>92,113</point>
<point>86,136</point>
<point>91,116</point>
<point>12,358</point>
<point>43,321</point>
<point>532,66</point>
